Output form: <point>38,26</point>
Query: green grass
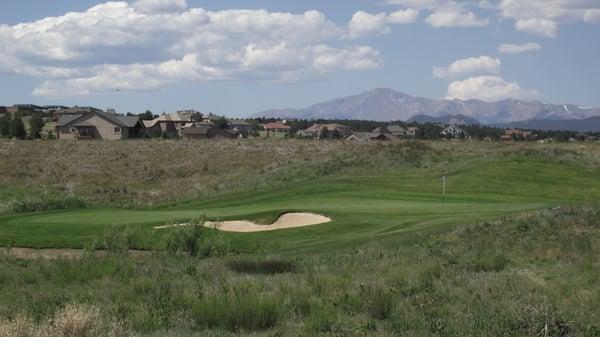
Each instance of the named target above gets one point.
<point>496,259</point>
<point>515,277</point>
<point>362,208</point>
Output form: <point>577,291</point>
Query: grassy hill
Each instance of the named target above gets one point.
<point>370,190</point>
<point>513,250</point>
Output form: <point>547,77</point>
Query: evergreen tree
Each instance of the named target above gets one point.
<point>147,116</point>
<point>16,129</point>
<point>222,123</point>
<point>4,125</point>
<point>36,123</point>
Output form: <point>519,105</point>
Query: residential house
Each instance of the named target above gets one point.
<point>375,136</point>
<point>169,124</point>
<point>453,131</point>
<point>395,130</point>
<point>55,113</point>
<point>207,131</point>
<point>276,130</point>
<point>518,134</point>
<point>333,130</point>
<point>98,125</point>
<point>412,131</point>
<point>240,126</point>
<point>506,138</point>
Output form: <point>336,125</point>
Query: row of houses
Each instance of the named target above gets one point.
<point>99,124</point>
<point>340,131</point>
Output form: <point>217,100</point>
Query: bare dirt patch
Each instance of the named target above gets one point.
<point>285,221</point>
<point>54,254</point>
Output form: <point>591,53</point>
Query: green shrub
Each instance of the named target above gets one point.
<point>245,311</point>
<point>268,265</point>
<point>196,240</point>
<point>488,263</point>
<point>380,303</point>
<point>47,204</point>
<point>119,240</point>
<point>322,319</point>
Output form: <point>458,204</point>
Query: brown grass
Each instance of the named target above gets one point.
<point>71,321</point>
<point>147,172</point>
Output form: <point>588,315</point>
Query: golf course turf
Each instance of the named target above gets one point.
<point>512,251</point>
<point>363,208</point>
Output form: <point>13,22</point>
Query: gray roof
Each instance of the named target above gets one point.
<point>198,130</point>
<point>67,119</point>
<point>118,120</point>
<point>381,129</point>
<point>130,121</point>
<point>374,135</point>
<point>238,122</point>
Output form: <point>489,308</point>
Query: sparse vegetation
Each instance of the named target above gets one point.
<point>270,265</point>
<point>518,276</point>
<point>499,258</point>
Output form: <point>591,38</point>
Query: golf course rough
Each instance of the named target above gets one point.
<point>362,208</point>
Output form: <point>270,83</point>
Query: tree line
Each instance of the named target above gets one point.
<point>12,126</point>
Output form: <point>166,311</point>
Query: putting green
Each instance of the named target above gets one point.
<point>362,208</point>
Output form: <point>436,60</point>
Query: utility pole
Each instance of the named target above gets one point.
<point>444,179</point>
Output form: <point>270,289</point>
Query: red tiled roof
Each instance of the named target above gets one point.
<point>270,126</point>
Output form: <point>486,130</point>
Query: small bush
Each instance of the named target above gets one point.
<point>246,311</point>
<point>380,304</point>
<point>47,204</point>
<point>196,240</point>
<point>262,266</point>
<point>321,320</point>
<point>488,263</point>
<point>118,240</point>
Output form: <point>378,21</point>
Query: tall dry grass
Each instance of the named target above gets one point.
<point>57,174</point>
<point>72,321</point>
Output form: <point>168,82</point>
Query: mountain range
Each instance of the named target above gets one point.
<point>447,119</point>
<point>392,105</point>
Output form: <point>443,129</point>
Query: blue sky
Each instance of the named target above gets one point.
<point>166,55</point>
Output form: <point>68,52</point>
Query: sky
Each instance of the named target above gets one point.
<point>241,57</point>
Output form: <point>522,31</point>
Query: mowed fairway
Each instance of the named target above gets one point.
<point>364,208</point>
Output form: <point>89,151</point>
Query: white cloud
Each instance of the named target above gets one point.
<point>542,17</point>
<point>455,19</point>
<point>364,24</point>
<point>536,26</point>
<point>488,88</point>
<point>445,13</point>
<point>469,66</point>
<point>518,48</point>
<point>403,16</point>
<point>592,16</point>
<point>159,6</point>
<point>116,44</point>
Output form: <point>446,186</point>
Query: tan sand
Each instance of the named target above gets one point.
<point>286,221</point>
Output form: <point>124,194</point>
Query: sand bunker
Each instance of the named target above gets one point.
<point>288,220</point>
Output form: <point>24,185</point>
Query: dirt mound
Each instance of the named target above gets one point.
<point>288,220</point>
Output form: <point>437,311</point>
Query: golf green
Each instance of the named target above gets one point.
<point>362,208</point>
